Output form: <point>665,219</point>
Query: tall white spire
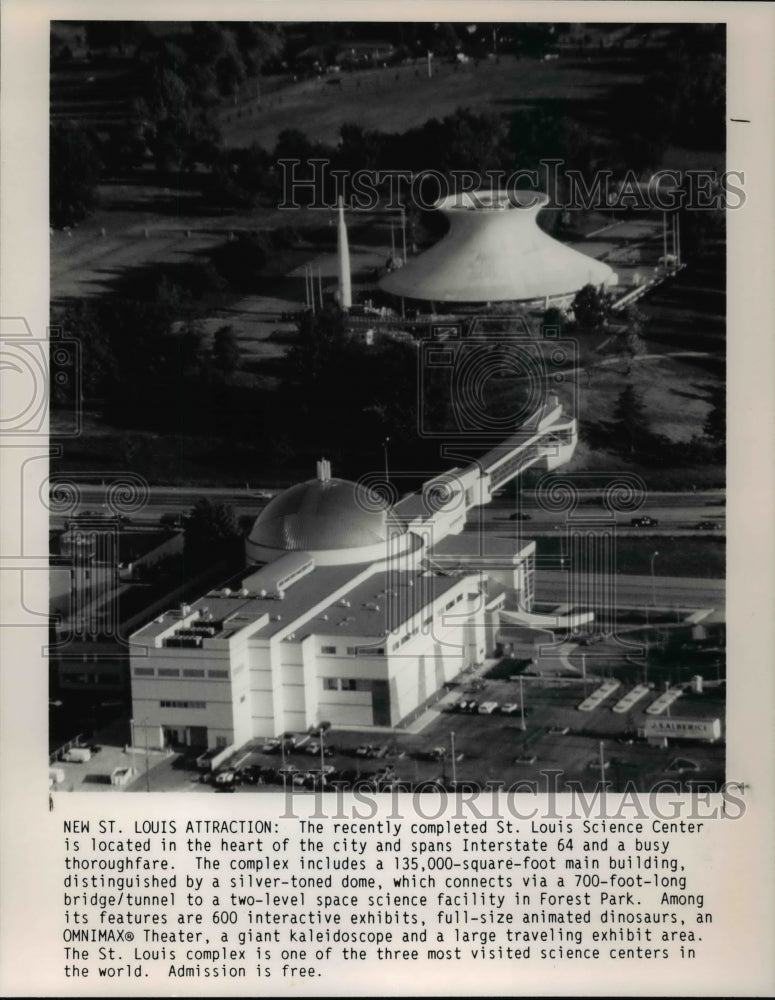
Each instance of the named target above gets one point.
<point>343,260</point>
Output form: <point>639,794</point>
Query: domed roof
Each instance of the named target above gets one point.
<point>495,252</point>
<point>323,514</point>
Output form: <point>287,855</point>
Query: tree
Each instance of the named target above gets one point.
<point>226,353</point>
<point>81,321</point>
<point>259,43</point>
<point>631,421</point>
<point>212,533</point>
<point>591,306</point>
<point>716,422</point>
<point>74,173</point>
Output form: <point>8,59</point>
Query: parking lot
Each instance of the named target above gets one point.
<point>475,748</point>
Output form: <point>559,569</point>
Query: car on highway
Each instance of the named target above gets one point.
<point>171,520</point>
<point>644,522</point>
<point>707,526</point>
<point>520,516</point>
<point>435,753</point>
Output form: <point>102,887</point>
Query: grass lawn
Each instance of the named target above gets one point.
<point>704,557</point>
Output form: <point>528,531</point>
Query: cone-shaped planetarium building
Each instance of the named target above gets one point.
<point>494,251</point>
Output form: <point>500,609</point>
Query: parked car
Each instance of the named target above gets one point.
<point>644,522</point>
<point>228,776</point>
<point>77,755</point>
<point>510,708</point>
<point>488,707</point>
<point>251,774</point>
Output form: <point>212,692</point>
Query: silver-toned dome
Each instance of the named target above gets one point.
<point>323,515</point>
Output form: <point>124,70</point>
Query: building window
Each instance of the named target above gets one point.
<point>328,649</point>
<point>167,672</point>
<point>459,598</point>
<point>143,672</point>
<point>352,650</point>
<point>348,684</point>
<point>220,674</point>
<point>221,742</point>
<point>193,673</point>
<point>451,604</point>
<point>242,698</point>
<point>330,684</point>
<point>183,704</point>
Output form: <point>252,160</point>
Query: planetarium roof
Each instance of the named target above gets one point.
<point>495,252</point>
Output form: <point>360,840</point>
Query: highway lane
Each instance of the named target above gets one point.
<point>684,510</point>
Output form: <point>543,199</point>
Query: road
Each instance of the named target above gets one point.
<point>672,510</point>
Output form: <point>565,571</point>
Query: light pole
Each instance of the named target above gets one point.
<point>602,765</point>
<point>385,449</point>
<point>147,768</point>
<point>521,704</point>
<point>653,581</point>
<point>132,744</point>
<point>454,768</point>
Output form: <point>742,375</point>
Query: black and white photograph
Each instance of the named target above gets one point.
<point>387,552</point>
<point>410,338</point>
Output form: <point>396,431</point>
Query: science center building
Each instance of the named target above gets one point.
<point>351,609</point>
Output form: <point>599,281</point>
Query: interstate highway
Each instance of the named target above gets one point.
<point>682,511</point>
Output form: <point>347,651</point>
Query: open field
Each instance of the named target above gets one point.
<point>397,98</point>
